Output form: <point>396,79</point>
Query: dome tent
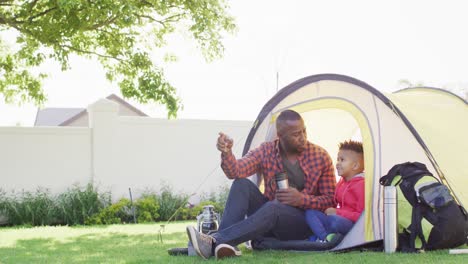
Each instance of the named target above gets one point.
<point>416,124</point>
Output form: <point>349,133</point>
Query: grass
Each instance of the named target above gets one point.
<point>141,244</point>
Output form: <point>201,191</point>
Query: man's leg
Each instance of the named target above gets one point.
<point>244,199</point>
<point>285,222</point>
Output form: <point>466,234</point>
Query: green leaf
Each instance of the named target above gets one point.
<point>119,33</point>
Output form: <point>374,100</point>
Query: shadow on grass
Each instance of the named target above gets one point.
<point>123,248</point>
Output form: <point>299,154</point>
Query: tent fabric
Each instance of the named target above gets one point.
<point>444,129</point>
<point>393,128</point>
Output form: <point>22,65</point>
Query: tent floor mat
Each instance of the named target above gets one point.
<point>269,243</point>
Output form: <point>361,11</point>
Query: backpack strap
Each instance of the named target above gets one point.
<point>387,179</point>
<point>416,228</point>
<point>413,169</point>
<point>405,170</point>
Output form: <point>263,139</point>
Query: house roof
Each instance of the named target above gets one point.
<point>65,116</point>
<point>55,116</point>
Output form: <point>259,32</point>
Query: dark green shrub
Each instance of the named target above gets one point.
<point>117,213</point>
<point>145,217</point>
<point>198,209</point>
<point>185,213</point>
<point>218,198</point>
<point>40,207</point>
<point>147,208</point>
<point>3,212</point>
<point>169,202</point>
<point>77,204</point>
<point>85,205</point>
<point>6,207</point>
<point>29,208</point>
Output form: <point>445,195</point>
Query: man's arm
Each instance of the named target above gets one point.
<point>234,168</point>
<point>241,168</point>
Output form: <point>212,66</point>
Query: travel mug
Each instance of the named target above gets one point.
<point>282,180</point>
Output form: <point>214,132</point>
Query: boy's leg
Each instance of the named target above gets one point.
<point>285,222</point>
<point>339,224</point>
<point>244,199</point>
<point>317,222</point>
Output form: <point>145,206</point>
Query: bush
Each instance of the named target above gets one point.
<point>198,209</point>
<point>147,208</point>
<point>117,213</point>
<point>76,205</point>
<point>41,208</point>
<point>86,205</point>
<point>218,199</point>
<point>169,203</point>
<point>29,208</point>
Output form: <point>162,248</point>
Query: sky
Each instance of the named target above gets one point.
<point>378,42</point>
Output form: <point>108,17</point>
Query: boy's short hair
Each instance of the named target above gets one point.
<point>355,146</point>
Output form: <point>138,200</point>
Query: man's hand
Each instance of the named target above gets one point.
<point>330,211</point>
<point>224,143</point>
<point>290,196</point>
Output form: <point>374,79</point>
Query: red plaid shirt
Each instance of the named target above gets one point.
<point>319,181</point>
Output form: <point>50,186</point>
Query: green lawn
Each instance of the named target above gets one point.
<point>141,244</point>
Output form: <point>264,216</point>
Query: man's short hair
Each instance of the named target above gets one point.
<point>355,146</point>
<point>288,115</point>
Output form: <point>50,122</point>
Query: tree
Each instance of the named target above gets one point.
<point>458,88</point>
<point>405,83</point>
<point>121,34</point>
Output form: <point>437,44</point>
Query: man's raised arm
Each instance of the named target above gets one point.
<point>233,168</point>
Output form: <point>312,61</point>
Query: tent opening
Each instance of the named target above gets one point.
<point>330,121</point>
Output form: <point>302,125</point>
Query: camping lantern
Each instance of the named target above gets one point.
<point>208,220</point>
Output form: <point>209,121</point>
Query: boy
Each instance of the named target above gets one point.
<point>349,196</point>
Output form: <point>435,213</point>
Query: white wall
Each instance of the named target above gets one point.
<point>181,153</point>
<point>118,152</point>
<point>52,157</point>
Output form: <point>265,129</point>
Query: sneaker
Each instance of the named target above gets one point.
<point>203,244</point>
<point>327,239</point>
<point>330,237</point>
<point>225,251</point>
<point>248,245</point>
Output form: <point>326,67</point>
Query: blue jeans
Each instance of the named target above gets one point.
<point>264,218</point>
<point>322,224</point>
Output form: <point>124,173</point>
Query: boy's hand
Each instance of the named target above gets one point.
<point>290,196</point>
<point>330,211</point>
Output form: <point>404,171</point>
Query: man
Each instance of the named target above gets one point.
<point>276,213</point>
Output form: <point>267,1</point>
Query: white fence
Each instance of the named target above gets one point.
<point>117,153</point>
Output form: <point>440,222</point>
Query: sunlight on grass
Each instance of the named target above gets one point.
<point>10,236</point>
<point>141,244</point>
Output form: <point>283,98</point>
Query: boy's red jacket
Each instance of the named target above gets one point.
<point>349,196</point>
